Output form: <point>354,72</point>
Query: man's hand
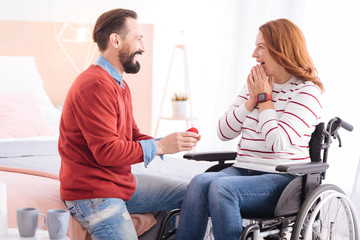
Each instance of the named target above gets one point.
<point>194,130</point>
<point>176,142</point>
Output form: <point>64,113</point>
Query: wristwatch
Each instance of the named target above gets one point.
<point>263,97</point>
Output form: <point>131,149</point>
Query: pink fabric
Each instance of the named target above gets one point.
<point>31,188</point>
<point>20,117</point>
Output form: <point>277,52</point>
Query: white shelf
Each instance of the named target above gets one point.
<point>190,119</point>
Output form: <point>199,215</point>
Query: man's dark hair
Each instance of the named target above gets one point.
<point>113,21</point>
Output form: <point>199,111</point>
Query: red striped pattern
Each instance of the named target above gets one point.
<point>237,118</point>
<point>246,155</point>
<point>305,107</point>
<point>312,96</point>
<point>286,133</point>
<point>249,129</point>
<point>267,122</point>
<point>253,139</point>
<point>266,152</point>
<point>243,97</point>
<point>227,122</point>
<point>252,118</point>
<point>290,127</point>
<point>269,132</point>
<point>222,134</point>
<point>298,118</point>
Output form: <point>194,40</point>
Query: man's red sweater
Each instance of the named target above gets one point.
<point>99,139</point>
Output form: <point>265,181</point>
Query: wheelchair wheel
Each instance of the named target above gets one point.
<point>326,214</point>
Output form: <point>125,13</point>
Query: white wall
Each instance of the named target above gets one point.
<point>220,37</point>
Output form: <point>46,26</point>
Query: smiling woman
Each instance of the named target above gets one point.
<point>272,131</point>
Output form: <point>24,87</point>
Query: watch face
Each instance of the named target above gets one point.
<point>261,97</point>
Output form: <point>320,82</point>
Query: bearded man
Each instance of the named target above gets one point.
<point>99,139</point>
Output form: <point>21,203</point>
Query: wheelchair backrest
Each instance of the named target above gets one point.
<point>316,143</point>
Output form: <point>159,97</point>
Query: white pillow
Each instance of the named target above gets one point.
<point>20,117</point>
<point>20,75</point>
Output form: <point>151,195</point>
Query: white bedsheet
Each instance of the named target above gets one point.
<point>43,155</point>
<point>173,166</point>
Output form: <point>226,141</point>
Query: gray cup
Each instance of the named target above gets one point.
<point>27,221</point>
<point>58,223</point>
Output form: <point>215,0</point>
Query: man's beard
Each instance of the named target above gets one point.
<point>127,61</point>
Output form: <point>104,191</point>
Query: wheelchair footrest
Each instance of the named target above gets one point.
<point>266,224</point>
<point>270,225</point>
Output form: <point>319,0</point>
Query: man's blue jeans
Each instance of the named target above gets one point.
<point>109,218</point>
<point>225,196</point>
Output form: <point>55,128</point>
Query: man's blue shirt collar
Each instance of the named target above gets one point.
<point>106,65</point>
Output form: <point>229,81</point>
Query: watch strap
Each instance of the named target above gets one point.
<point>263,97</point>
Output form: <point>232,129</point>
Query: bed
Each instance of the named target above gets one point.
<point>29,160</point>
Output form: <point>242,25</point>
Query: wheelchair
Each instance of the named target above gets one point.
<point>306,209</point>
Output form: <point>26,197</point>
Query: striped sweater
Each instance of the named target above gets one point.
<point>276,136</point>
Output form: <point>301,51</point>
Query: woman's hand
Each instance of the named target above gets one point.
<point>250,104</point>
<point>257,82</point>
<point>260,83</point>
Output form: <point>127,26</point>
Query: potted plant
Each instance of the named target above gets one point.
<point>179,104</point>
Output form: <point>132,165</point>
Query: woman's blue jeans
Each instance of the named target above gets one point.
<point>109,218</point>
<point>225,196</point>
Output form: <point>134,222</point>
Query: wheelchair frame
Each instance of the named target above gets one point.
<point>301,209</point>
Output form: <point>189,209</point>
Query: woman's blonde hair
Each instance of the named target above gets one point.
<point>288,48</point>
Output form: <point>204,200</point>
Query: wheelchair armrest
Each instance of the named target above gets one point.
<point>211,156</point>
<point>303,168</point>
